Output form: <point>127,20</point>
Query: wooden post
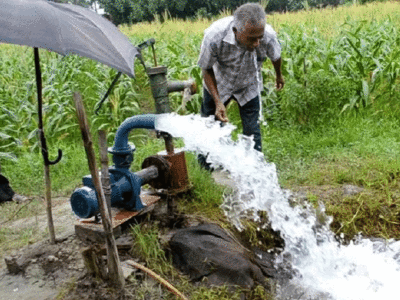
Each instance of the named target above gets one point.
<point>50,222</point>
<point>105,176</point>
<point>114,268</point>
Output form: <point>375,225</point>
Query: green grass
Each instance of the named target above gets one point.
<point>205,197</point>
<point>359,151</point>
<point>26,174</point>
<point>147,246</point>
<point>368,141</point>
<point>11,239</point>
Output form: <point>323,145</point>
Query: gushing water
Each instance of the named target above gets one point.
<point>363,270</point>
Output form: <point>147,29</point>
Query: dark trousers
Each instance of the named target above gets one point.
<point>249,113</point>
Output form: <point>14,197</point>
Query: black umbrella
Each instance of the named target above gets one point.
<point>65,29</point>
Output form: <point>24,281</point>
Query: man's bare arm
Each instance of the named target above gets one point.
<point>279,78</point>
<point>211,83</point>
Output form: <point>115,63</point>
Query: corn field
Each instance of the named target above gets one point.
<point>336,62</point>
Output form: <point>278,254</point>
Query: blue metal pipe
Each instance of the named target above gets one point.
<point>121,145</point>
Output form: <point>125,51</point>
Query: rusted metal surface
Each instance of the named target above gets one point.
<point>179,180</point>
<point>173,176</point>
<point>169,145</point>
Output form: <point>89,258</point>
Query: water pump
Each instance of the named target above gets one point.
<point>158,171</point>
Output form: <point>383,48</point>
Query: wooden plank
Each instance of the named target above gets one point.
<point>89,229</point>
<point>93,232</point>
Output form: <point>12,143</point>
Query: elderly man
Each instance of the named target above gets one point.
<point>231,56</point>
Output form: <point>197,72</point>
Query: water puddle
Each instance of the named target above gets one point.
<point>364,270</point>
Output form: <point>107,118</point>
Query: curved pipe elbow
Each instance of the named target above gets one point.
<point>121,145</point>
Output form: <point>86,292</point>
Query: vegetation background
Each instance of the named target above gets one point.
<point>336,121</point>
<point>134,11</point>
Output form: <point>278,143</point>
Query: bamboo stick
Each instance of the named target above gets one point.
<point>105,176</point>
<point>157,277</point>
<point>114,268</point>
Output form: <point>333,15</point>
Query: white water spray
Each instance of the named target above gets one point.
<point>363,270</point>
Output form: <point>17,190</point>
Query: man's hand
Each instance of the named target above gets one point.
<point>211,83</point>
<point>279,79</point>
<point>279,82</point>
<point>220,112</point>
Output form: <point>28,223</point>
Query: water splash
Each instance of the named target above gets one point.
<point>363,270</point>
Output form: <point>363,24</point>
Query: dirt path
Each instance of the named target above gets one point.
<point>46,268</point>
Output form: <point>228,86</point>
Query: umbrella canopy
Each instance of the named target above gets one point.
<point>65,29</point>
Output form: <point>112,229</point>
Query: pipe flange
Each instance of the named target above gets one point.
<point>163,166</point>
<point>157,70</point>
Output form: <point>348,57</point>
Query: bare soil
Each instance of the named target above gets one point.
<point>43,269</point>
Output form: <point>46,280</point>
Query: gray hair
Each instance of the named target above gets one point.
<point>251,13</point>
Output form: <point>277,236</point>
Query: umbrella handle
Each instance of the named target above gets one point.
<point>108,92</point>
<point>49,162</point>
<point>45,153</point>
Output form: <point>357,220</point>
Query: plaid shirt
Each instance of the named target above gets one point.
<point>237,70</point>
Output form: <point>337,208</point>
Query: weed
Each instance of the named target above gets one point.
<point>147,246</point>
<point>313,199</point>
<point>369,213</point>
<point>68,288</point>
<point>215,293</point>
<point>259,234</point>
<point>205,197</point>
<point>11,238</point>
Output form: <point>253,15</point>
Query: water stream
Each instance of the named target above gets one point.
<point>363,270</point>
